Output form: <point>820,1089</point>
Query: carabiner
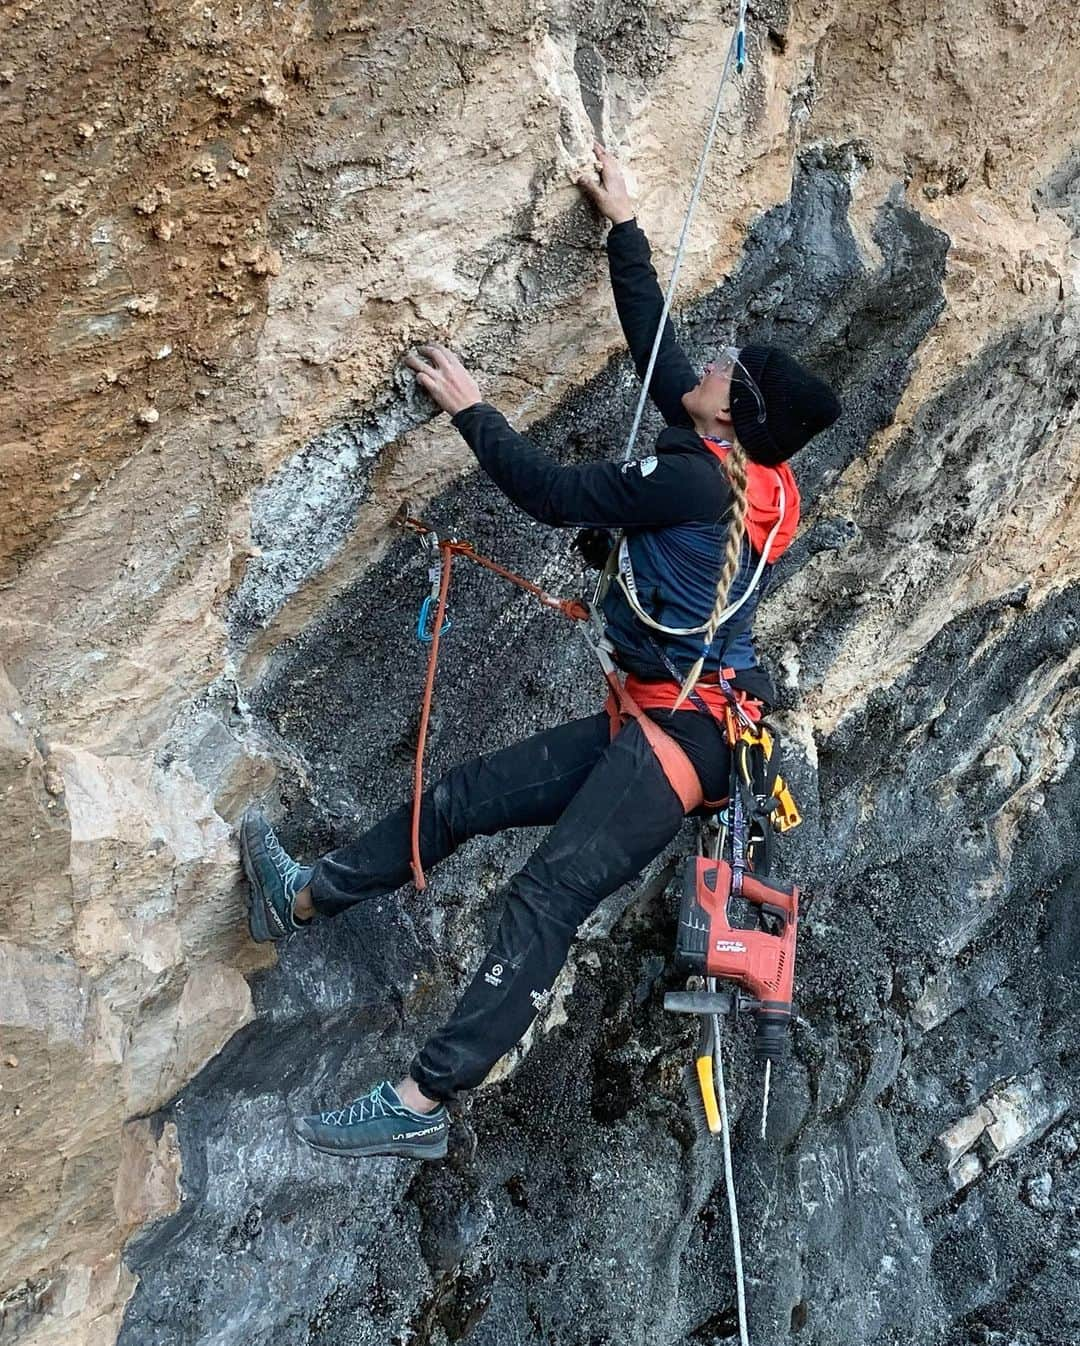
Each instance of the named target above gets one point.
<point>426,620</point>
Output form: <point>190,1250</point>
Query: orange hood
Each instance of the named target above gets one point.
<point>763,502</point>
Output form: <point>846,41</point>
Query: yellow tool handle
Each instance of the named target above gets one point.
<point>704,1066</point>
<point>786,814</point>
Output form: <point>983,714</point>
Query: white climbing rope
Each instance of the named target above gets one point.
<point>735,51</point>
<point>729,1175</point>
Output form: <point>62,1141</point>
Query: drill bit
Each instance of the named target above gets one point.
<point>765,1098</point>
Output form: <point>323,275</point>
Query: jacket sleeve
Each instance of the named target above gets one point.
<point>652,493</point>
<point>639,302</point>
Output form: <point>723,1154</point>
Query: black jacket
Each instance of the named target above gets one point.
<point>683,484</point>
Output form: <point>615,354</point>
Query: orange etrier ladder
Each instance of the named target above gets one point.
<point>432,625</point>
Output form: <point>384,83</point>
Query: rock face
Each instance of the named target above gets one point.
<point>219,234</point>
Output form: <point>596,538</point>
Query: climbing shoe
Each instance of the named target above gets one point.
<point>274,878</point>
<point>377,1123</point>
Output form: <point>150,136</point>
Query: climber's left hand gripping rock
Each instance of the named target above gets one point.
<point>444,378</point>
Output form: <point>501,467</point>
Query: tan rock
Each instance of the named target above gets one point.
<point>1020,1114</point>
<point>964,1172</point>
<point>271,94</point>
<point>83,1303</point>
<point>148,1179</point>
<point>153,200</point>
<point>1009,1118</point>
<point>263,261</point>
<point>962,1135</point>
<point>173,1041</point>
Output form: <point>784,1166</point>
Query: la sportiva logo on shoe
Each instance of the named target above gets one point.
<point>411,1135</point>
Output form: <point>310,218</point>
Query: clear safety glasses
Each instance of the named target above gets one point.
<point>728,360</point>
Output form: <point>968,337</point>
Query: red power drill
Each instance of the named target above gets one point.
<point>761,962</point>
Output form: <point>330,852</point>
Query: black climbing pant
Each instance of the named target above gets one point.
<point>611,811</point>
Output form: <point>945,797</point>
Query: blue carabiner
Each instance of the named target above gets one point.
<point>424,621</point>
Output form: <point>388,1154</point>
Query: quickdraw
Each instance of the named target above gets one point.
<point>425,630</point>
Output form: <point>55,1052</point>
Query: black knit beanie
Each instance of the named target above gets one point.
<point>798,405</point>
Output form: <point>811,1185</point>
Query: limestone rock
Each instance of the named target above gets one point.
<point>203,601</point>
<point>148,1181</point>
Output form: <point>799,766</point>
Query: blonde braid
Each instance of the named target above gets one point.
<point>735,466</point>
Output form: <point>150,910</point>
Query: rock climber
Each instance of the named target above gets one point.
<point>702,527</point>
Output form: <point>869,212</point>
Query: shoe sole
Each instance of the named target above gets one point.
<point>371,1151</point>
<point>256,903</point>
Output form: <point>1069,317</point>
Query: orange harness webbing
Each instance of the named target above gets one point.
<point>676,766</point>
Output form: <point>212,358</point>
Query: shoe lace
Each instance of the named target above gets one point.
<point>359,1110</point>
<point>287,867</point>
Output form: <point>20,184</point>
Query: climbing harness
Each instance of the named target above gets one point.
<point>621,707</point>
